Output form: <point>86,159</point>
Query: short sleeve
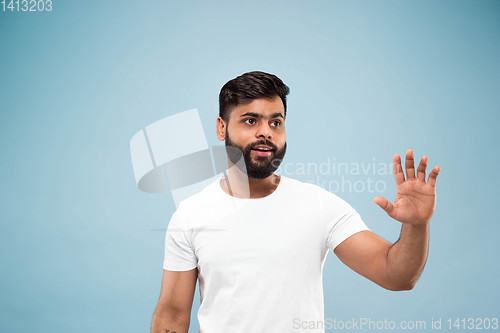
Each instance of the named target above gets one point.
<point>179,254</point>
<point>342,221</point>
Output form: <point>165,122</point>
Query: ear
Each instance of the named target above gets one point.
<point>221,129</point>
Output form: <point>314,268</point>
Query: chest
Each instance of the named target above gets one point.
<point>260,240</point>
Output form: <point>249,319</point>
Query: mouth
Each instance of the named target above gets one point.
<point>262,150</point>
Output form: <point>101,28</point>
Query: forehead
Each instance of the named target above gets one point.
<point>263,106</point>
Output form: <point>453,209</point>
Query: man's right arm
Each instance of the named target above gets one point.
<point>173,311</point>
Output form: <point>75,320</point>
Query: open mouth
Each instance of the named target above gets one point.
<point>262,150</point>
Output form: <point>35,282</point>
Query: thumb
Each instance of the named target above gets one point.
<point>384,204</point>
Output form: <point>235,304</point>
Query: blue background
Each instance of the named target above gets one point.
<point>82,247</point>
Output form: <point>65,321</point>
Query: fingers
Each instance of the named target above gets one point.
<point>433,175</point>
<point>421,168</point>
<point>398,169</point>
<point>410,169</point>
<point>409,165</point>
<point>384,204</point>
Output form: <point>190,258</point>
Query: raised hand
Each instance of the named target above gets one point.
<point>415,198</point>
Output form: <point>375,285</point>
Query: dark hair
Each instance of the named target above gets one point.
<point>248,87</point>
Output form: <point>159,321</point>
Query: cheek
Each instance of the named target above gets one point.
<point>241,135</point>
<point>281,138</point>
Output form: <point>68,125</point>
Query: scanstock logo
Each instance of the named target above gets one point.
<point>172,155</point>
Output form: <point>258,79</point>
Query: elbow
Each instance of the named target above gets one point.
<point>401,286</point>
<point>400,283</point>
<point>407,286</point>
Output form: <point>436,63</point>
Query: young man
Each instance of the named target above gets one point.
<point>257,241</point>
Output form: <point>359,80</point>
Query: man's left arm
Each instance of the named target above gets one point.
<point>397,266</point>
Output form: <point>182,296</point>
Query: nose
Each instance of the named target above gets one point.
<point>264,131</point>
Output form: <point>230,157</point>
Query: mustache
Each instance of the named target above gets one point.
<point>262,142</point>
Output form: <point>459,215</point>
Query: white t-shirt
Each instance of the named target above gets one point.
<point>260,261</point>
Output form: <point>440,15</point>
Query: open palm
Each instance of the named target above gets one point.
<point>415,198</point>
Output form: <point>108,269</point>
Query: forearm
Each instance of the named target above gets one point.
<point>166,322</point>
<point>406,258</point>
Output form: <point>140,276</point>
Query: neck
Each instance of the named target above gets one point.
<point>239,185</point>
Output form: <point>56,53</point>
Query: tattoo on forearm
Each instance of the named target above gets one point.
<point>169,331</point>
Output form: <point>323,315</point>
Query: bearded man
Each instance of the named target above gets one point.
<point>257,241</point>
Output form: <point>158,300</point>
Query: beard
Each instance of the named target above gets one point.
<point>261,166</point>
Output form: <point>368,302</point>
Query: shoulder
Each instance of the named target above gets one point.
<point>295,184</point>
<point>309,188</point>
<point>317,195</point>
<point>204,199</point>
<point>201,196</point>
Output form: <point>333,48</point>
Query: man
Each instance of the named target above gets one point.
<point>257,240</point>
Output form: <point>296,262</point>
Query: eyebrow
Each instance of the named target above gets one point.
<point>258,115</point>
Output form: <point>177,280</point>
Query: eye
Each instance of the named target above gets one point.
<point>249,121</point>
<point>276,123</point>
